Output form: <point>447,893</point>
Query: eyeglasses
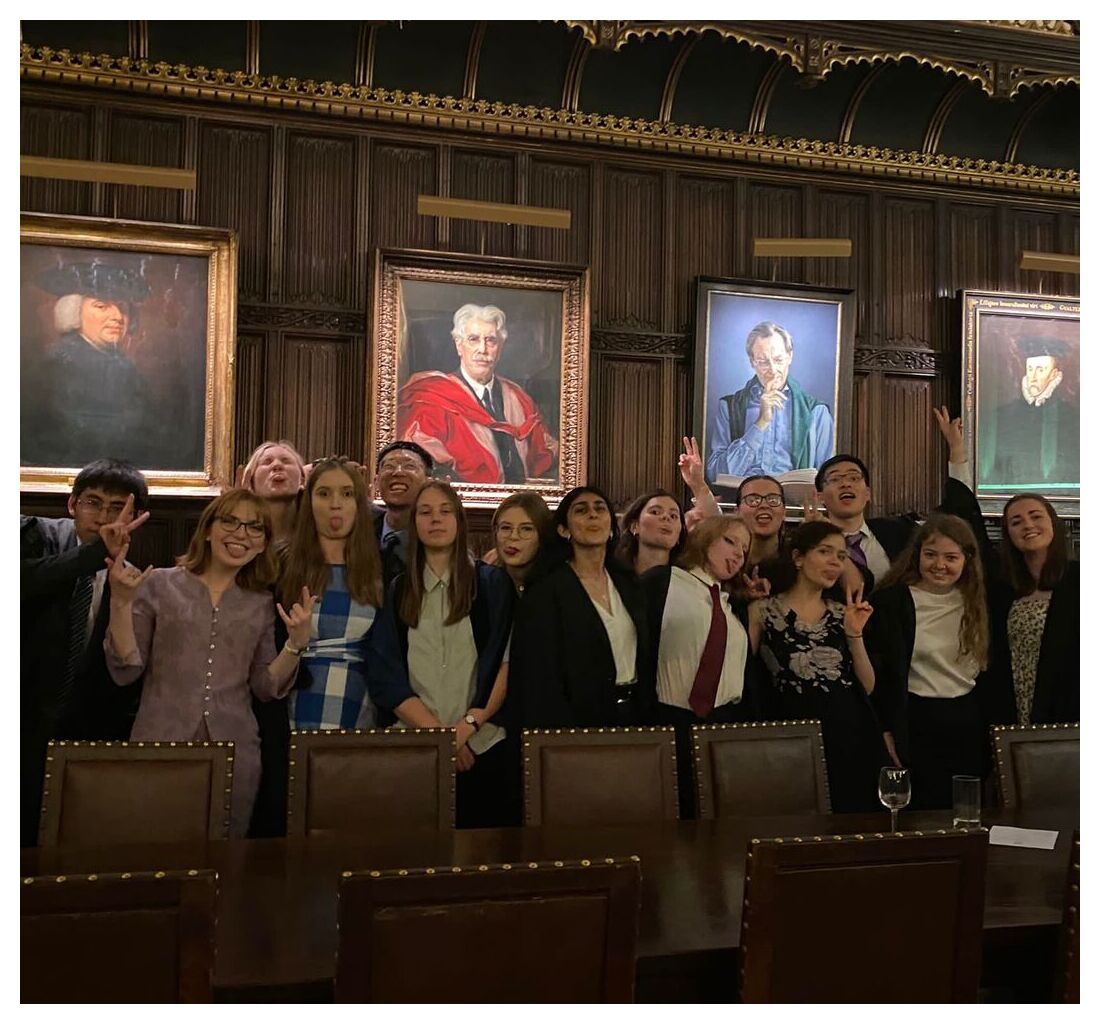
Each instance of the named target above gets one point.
<point>778,362</point>
<point>756,500</point>
<point>96,505</point>
<point>400,466</point>
<point>852,476</point>
<point>525,531</point>
<point>231,524</point>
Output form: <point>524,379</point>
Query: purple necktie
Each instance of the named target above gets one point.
<point>855,549</point>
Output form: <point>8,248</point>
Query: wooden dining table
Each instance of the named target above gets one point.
<point>276,913</point>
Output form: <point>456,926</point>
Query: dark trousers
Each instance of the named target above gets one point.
<point>947,736</point>
<point>269,812</point>
<point>681,719</point>
<point>489,794</point>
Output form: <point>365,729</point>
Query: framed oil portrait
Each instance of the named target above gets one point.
<point>484,362</point>
<point>773,378</point>
<point>127,334</point>
<point>1022,397</point>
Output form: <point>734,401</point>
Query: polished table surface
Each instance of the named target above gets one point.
<point>277,897</point>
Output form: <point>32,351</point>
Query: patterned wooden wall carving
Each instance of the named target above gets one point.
<point>310,203</point>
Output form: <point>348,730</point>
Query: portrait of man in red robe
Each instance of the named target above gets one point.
<point>478,426</point>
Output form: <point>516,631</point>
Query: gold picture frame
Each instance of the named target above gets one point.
<point>154,384</point>
<point>416,389</point>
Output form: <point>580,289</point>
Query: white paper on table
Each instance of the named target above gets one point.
<point>1032,838</point>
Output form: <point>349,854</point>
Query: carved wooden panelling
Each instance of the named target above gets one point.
<point>561,187</point>
<point>845,215</point>
<point>909,289</point>
<point>251,388</point>
<point>775,212</point>
<point>319,243</point>
<point>704,226</point>
<point>490,178</point>
<point>628,292</point>
<point>62,132</point>
<point>315,395</point>
<point>627,447</point>
<point>1035,232</point>
<point>398,175</point>
<point>151,142</point>
<point>972,260</point>
<point>234,191</point>
<point>911,443</point>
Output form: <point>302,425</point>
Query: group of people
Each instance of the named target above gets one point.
<point>301,603</point>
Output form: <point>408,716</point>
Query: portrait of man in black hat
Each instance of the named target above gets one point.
<point>1034,439</point>
<point>83,394</point>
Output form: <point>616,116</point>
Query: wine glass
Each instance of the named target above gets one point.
<point>894,791</point>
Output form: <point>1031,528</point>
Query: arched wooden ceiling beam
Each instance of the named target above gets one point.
<point>668,95</point>
<point>473,58</point>
<point>940,115</point>
<point>856,101</point>
<point>1023,123</point>
<point>758,116</point>
<point>571,91</point>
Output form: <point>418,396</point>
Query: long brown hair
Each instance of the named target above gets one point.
<point>304,563</point>
<point>1012,558</point>
<point>262,571</point>
<point>974,629</point>
<point>537,510</point>
<point>627,549</point>
<point>463,582</point>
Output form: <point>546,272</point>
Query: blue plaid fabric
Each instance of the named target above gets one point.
<point>337,694</point>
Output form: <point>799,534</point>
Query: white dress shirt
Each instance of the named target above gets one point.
<point>621,634</point>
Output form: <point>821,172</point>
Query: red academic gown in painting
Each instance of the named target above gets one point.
<point>439,412</point>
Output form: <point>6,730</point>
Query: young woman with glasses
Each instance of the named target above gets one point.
<point>202,634</point>
<point>523,530</point>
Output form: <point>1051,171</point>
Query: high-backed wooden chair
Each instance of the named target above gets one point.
<point>106,793</point>
<point>864,919</point>
<point>506,933</point>
<point>354,779</point>
<point>1067,981</point>
<point>760,768</point>
<point>140,937</point>
<point>599,776</point>
<point>1038,765</point>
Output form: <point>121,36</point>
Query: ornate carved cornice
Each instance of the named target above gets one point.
<point>978,51</point>
<point>905,357</point>
<point>639,342</point>
<point>528,122</point>
<point>291,316</point>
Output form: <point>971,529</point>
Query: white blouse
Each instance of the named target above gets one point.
<point>621,634</point>
<point>937,670</point>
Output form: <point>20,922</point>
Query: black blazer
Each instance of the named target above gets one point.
<point>393,559</point>
<point>561,660</point>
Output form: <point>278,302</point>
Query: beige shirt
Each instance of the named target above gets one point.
<point>442,663</point>
<point>936,669</point>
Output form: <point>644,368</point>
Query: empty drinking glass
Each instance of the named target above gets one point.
<point>894,791</point>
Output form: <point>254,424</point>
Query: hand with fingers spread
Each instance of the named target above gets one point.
<point>856,613</point>
<point>756,586</point>
<point>691,465</point>
<point>299,622</point>
<point>810,511</point>
<point>952,431</point>
<point>125,578</point>
<point>116,534</point>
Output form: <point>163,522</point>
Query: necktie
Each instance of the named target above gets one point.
<point>79,605</point>
<point>487,401</point>
<point>709,673</point>
<point>855,549</point>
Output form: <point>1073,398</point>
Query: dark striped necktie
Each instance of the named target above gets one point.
<point>79,606</point>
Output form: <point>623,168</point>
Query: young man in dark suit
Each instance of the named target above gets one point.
<point>66,692</point>
<point>399,471</point>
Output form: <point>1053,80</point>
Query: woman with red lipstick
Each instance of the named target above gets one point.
<point>202,634</point>
<point>334,553</point>
<point>652,532</point>
<point>931,634</point>
<point>817,665</point>
<point>439,657</point>
<point>523,531</point>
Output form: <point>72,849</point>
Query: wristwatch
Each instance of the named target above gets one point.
<point>470,720</point>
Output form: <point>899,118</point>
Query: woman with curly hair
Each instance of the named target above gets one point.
<point>817,665</point>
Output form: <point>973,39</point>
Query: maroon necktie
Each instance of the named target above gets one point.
<point>709,672</point>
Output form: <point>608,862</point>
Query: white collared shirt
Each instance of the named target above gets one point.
<point>684,630</point>
<point>479,389</point>
<point>621,634</point>
<point>877,559</point>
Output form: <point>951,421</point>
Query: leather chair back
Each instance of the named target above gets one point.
<point>139,937</point>
<point>351,780</point>
<point>1067,982</point>
<point>1038,765</point>
<point>599,776</point>
<point>760,768</point>
<point>106,793</point>
<point>507,933</point>
<point>864,919</point>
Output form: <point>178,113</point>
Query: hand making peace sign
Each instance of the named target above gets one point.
<point>856,612</point>
<point>116,535</point>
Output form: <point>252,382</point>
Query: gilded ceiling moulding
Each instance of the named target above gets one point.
<point>431,111</point>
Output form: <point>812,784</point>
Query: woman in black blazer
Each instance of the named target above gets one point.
<point>581,634</point>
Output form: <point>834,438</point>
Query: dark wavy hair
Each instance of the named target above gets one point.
<point>564,548</point>
<point>627,548</point>
<point>804,538</point>
<point>1012,559</point>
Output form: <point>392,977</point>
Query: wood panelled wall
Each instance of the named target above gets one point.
<point>311,198</point>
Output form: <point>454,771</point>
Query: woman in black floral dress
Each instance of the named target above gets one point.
<point>812,648</point>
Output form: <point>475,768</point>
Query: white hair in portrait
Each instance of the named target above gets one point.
<point>66,313</point>
<point>471,311</point>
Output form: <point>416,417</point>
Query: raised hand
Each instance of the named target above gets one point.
<point>299,623</point>
<point>810,511</point>
<point>691,465</point>
<point>693,517</point>
<point>116,534</point>
<point>756,586</point>
<point>856,612</point>
<point>125,578</point>
<point>952,431</point>
<point>771,402</point>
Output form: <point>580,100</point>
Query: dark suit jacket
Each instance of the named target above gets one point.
<point>394,560</point>
<point>562,664</point>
